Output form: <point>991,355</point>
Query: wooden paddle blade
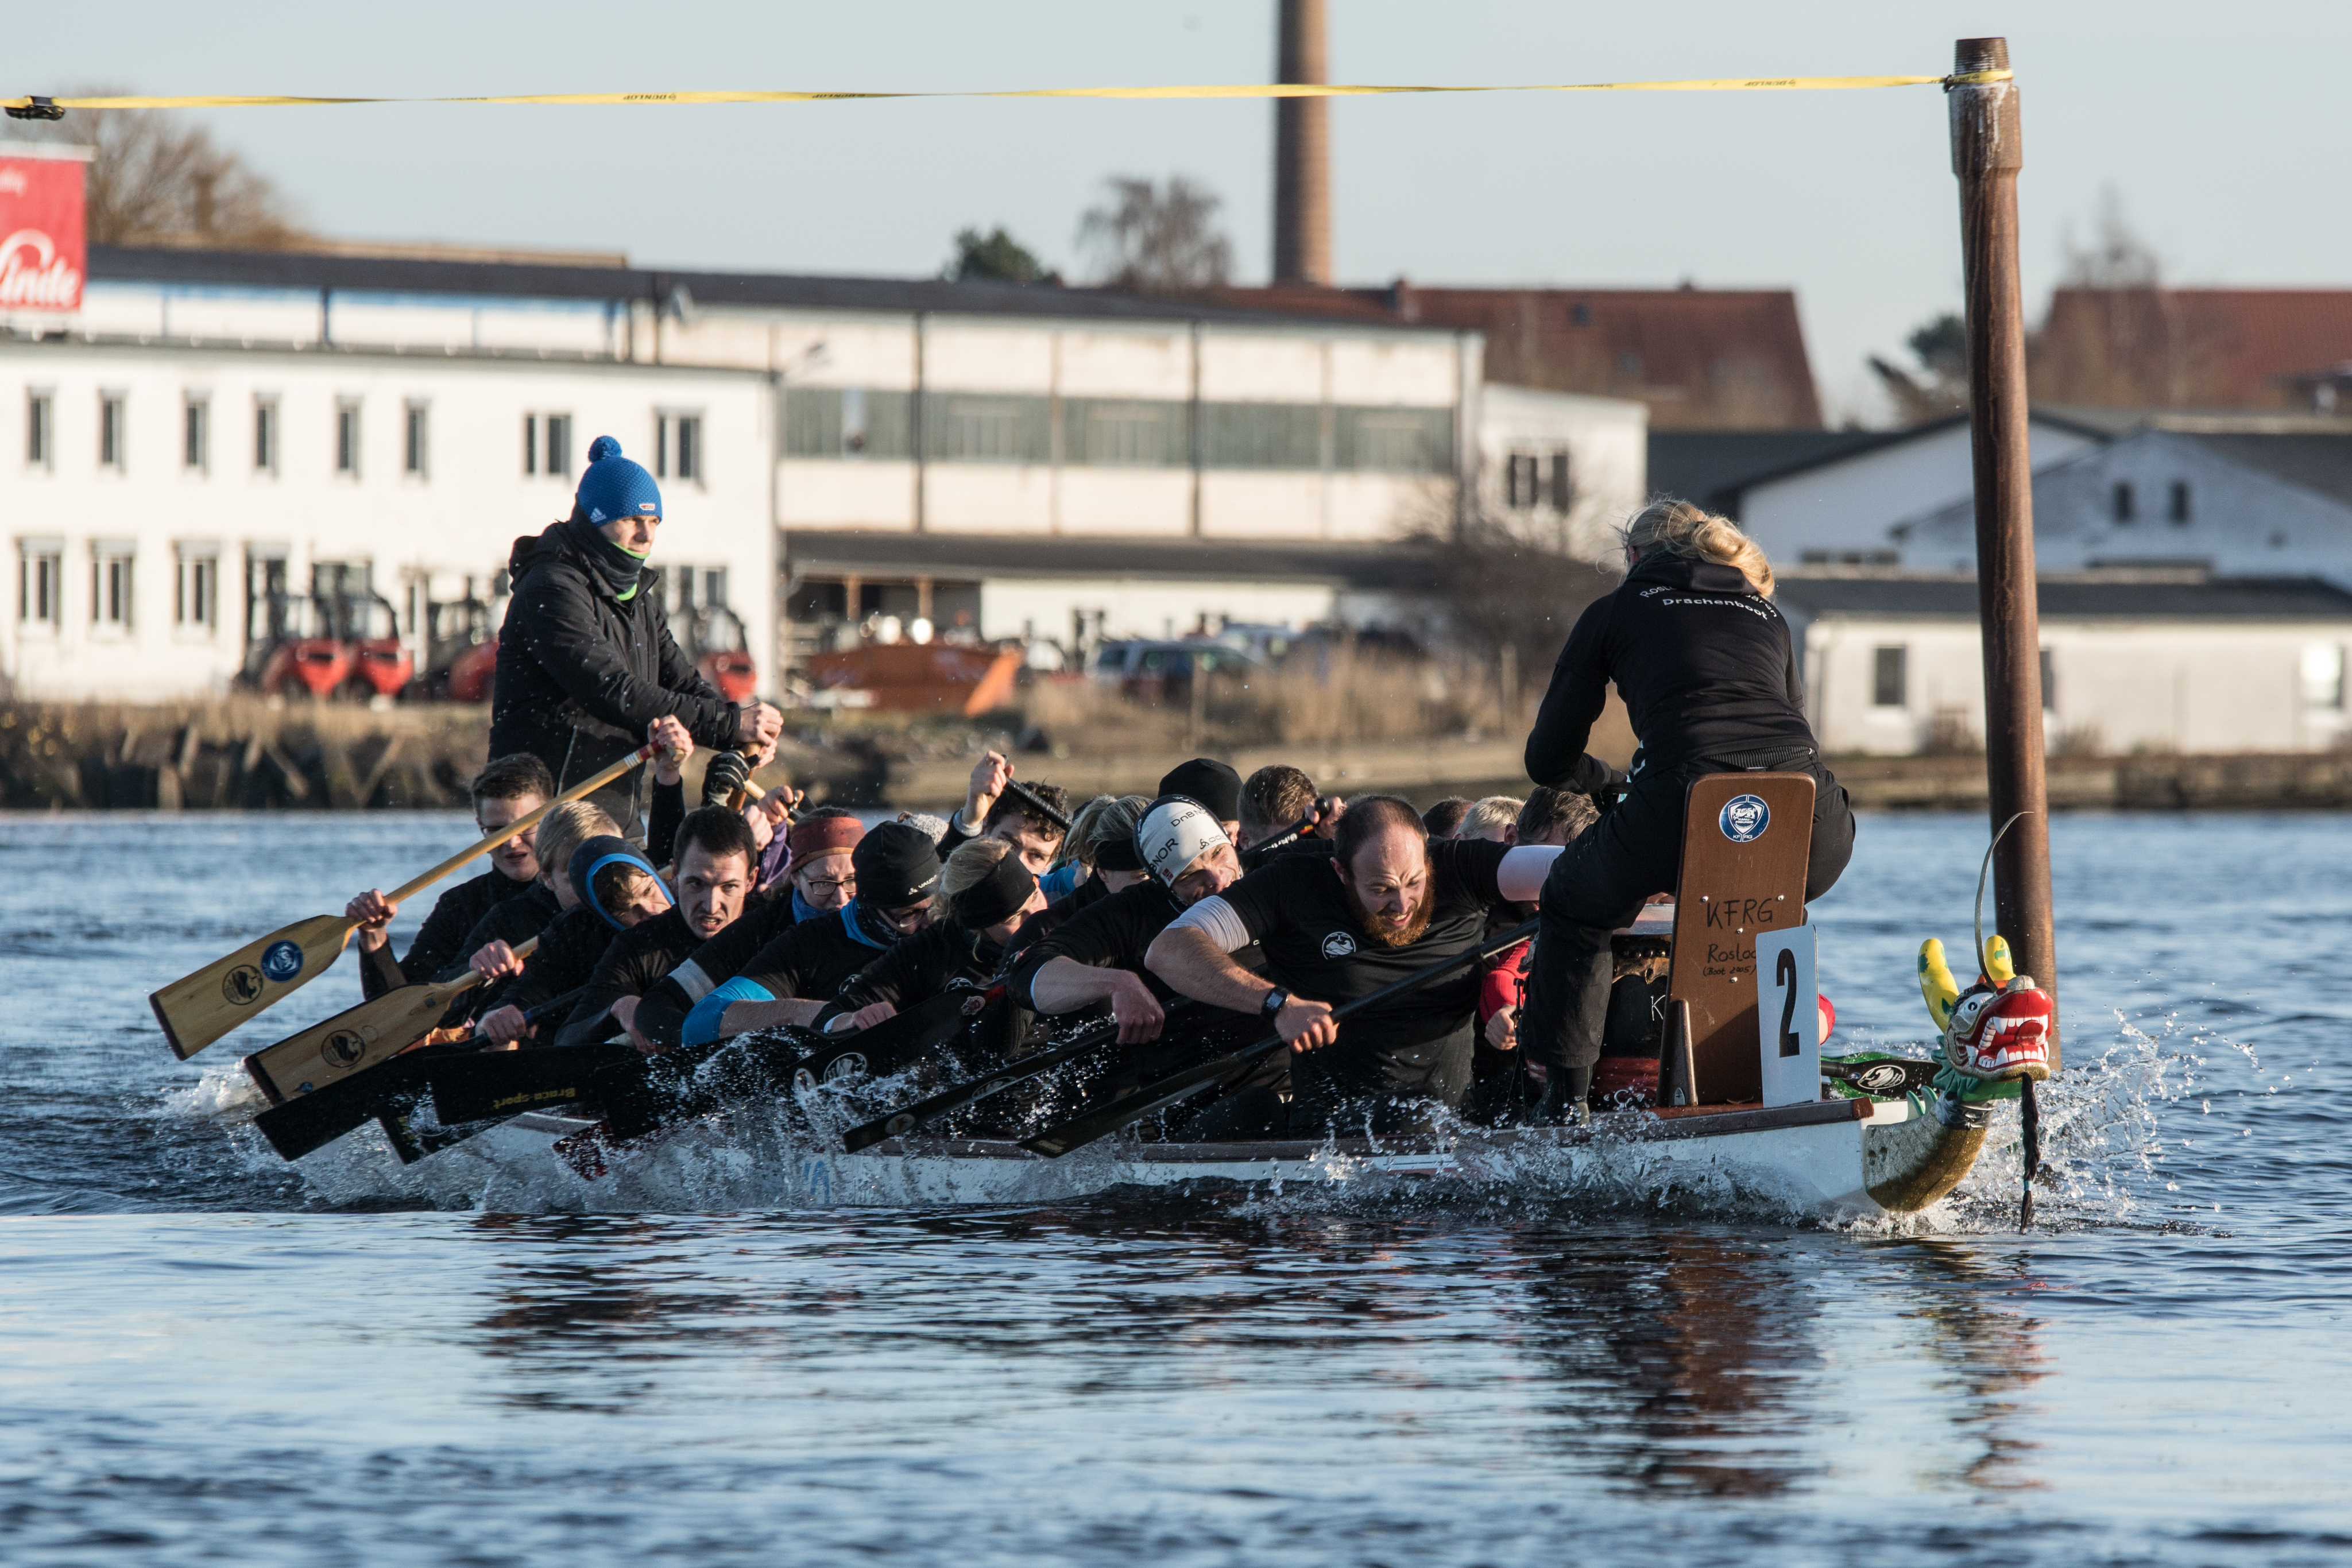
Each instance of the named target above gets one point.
<point>352,1041</point>
<point>197,1010</point>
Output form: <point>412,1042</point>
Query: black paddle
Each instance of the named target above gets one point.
<point>955,1097</point>
<point>1029,797</point>
<point>1877,1074</point>
<point>312,1120</point>
<point>1084,1129</point>
<point>1256,854</point>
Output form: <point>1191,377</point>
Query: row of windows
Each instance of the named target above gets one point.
<point>861,423</point>
<point>2321,678</point>
<point>546,438</point>
<point>41,597</point>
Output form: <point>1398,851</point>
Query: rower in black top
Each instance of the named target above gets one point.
<point>789,981</point>
<point>1710,681</point>
<point>1389,901</point>
<point>507,789</point>
<point>716,852</point>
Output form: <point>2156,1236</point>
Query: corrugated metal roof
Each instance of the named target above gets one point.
<point>413,274</point>
<point>834,551</point>
<point>2149,596</point>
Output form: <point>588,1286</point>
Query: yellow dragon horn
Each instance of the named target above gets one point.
<point>1935,982</point>
<point>1997,966</point>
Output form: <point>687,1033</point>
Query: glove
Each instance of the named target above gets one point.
<point>727,771</point>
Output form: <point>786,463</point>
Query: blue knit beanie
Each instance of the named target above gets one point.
<point>615,487</point>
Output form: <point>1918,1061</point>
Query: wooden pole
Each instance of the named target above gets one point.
<point>1988,150</point>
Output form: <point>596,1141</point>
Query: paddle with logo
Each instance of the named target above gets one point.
<point>1084,1128</point>
<point>197,1010</point>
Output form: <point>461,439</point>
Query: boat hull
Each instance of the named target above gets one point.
<point>1840,1158</point>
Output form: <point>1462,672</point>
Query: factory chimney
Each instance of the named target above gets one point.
<point>1302,151</point>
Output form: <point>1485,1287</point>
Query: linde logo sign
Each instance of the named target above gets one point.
<point>42,255</point>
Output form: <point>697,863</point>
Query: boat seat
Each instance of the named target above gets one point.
<point>1746,840</point>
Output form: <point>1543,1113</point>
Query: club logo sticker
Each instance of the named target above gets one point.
<point>343,1048</point>
<point>1744,818</point>
<point>1338,945</point>
<point>241,987</point>
<point>848,1064</point>
<point>1880,1078</point>
<point>281,961</point>
<point>974,1006</point>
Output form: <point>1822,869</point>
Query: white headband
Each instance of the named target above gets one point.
<point>1173,834</point>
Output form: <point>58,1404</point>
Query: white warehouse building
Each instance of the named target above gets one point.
<point>210,427</point>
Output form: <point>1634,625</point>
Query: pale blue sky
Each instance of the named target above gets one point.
<point>2220,128</point>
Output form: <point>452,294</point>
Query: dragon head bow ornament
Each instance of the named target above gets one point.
<point>1998,1029</point>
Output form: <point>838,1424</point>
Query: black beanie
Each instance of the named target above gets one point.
<point>1208,781</point>
<point>895,866</point>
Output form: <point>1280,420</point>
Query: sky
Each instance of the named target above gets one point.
<point>2217,129</point>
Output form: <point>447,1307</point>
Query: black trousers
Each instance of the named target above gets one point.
<point>1599,882</point>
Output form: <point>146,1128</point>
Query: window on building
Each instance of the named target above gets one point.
<point>347,439</point>
<point>40,594</point>
<point>559,446</point>
<point>196,420</point>
<point>265,435</point>
<point>412,448</point>
<point>2323,678</point>
<point>109,587</point>
<point>1394,440</point>
<point>111,432</point>
<point>1262,435</point>
<point>714,585</point>
<point>40,430</point>
<point>965,429</point>
<point>2127,504</point>
<point>1125,434</point>
<point>677,447</point>
<point>531,444</point>
<point>2177,505</point>
<point>196,590</point>
<point>1890,677</point>
<point>1522,479</point>
<point>1561,493</point>
<point>2049,683</point>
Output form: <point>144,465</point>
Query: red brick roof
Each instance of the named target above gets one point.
<point>1702,359</point>
<point>2190,347</point>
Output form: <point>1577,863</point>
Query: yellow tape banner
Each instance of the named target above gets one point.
<point>1229,90</point>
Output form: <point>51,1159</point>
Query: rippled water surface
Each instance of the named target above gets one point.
<point>206,1355</point>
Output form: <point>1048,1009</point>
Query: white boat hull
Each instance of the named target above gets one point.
<point>1836,1159</point>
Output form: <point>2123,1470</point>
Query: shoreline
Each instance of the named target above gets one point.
<point>246,756</point>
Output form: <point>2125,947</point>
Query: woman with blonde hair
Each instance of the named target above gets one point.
<point>1702,660</point>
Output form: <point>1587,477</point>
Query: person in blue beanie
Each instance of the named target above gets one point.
<point>586,663</point>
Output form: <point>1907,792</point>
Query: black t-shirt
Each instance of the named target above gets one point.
<point>512,921</point>
<point>1112,933</point>
<point>1419,1044</point>
<point>1051,918</point>
<point>810,959</point>
<point>1703,663</point>
<point>636,962</point>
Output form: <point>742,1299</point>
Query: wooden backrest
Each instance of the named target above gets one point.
<point>1745,838</point>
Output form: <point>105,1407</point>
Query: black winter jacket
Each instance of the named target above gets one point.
<point>1702,660</point>
<point>581,673</point>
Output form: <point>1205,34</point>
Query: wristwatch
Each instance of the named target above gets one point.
<point>1273,1002</point>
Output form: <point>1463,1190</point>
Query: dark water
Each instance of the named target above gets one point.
<point>208,1356</point>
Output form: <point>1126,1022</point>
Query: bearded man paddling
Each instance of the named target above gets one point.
<point>1389,901</point>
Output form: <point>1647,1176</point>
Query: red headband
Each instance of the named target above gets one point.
<point>812,836</point>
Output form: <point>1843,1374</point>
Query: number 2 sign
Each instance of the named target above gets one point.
<point>1788,1016</point>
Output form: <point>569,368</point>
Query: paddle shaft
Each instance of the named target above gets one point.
<point>1082,1130</point>
<point>956,1096</point>
<point>586,786</point>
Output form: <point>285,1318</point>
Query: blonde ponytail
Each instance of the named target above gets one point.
<point>1680,529</point>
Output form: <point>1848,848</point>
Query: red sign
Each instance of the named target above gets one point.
<point>41,253</point>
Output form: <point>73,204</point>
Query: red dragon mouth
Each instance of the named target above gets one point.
<point>2009,1038</point>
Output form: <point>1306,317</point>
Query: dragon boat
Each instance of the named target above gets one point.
<point>1771,1122</point>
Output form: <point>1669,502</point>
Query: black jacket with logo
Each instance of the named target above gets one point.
<point>1703,660</point>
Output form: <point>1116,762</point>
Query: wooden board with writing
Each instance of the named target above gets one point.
<point>1745,838</point>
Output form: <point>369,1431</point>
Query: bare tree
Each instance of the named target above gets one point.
<point>1509,585</point>
<point>1157,239</point>
<point>159,177</point>
<point>2115,335</point>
